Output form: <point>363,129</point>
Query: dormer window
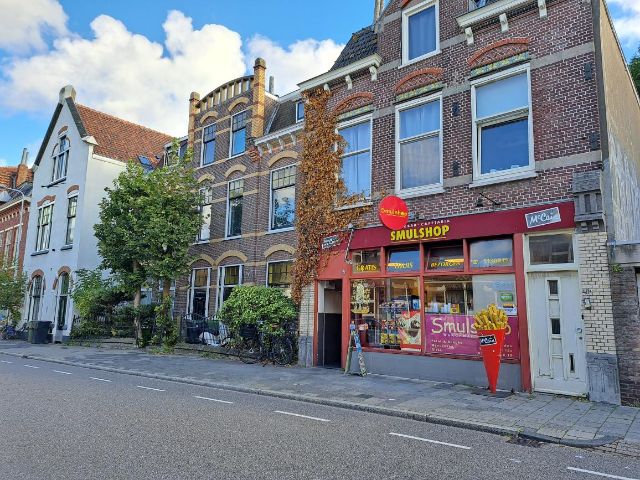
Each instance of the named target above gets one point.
<point>420,32</point>
<point>60,159</point>
<point>299,111</point>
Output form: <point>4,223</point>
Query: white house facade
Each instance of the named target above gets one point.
<point>82,153</point>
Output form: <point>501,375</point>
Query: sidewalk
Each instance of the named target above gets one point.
<point>544,417</point>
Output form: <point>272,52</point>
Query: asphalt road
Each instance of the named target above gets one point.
<point>61,422</point>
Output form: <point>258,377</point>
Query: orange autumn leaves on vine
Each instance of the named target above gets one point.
<point>320,190</point>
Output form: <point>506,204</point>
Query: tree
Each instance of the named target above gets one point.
<point>12,290</point>
<point>634,68</point>
<point>148,221</point>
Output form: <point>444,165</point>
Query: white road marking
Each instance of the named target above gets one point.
<point>430,441</point>
<point>302,416</point>
<point>5,361</point>
<point>149,388</point>
<point>64,373</point>
<point>30,366</point>
<point>213,399</point>
<point>515,460</point>
<point>100,379</point>
<point>600,474</point>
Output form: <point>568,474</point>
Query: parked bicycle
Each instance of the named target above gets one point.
<point>9,332</point>
<point>252,345</point>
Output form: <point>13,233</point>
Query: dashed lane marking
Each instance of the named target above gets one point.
<point>5,361</point>
<point>30,366</point>
<point>599,474</point>
<point>63,373</point>
<point>100,379</point>
<point>302,416</point>
<point>430,441</point>
<point>149,388</point>
<point>213,399</point>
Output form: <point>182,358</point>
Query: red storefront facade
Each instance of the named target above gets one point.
<point>412,293</point>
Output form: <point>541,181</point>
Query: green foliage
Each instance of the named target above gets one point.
<point>248,304</point>
<point>94,295</point>
<point>634,68</point>
<point>12,291</point>
<point>166,330</point>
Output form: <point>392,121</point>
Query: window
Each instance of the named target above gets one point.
<point>418,148</point>
<point>205,213</point>
<point>15,245</point>
<point>208,145</point>
<point>228,278</point>
<point>420,32</point>
<point>551,249</point>
<point>60,159</point>
<point>502,134</point>
<point>63,298</point>
<point>238,134</point>
<point>403,261</point>
<point>356,160</point>
<point>492,253</point>
<point>35,297</point>
<point>299,111</point>
<point>2,240</point>
<point>43,232</point>
<point>388,310</point>
<point>72,208</point>
<point>199,293</point>
<point>366,261</point>
<point>279,275</point>
<point>8,240</point>
<point>234,208</point>
<point>445,258</point>
<point>283,197</point>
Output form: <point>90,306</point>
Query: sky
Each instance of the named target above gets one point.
<point>140,59</point>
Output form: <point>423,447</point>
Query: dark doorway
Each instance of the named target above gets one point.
<point>330,324</point>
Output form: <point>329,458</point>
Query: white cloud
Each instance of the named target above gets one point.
<point>24,25</point>
<point>133,77</point>
<point>3,162</point>
<point>627,23</point>
<point>302,60</point>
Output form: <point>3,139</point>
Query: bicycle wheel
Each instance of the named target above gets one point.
<point>283,351</point>
<point>249,351</point>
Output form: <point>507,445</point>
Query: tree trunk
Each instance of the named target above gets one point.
<point>136,304</point>
<point>166,294</point>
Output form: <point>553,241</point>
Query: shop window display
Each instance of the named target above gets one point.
<point>496,253</point>
<point>366,261</point>
<point>403,261</point>
<point>445,258</point>
<point>387,313</point>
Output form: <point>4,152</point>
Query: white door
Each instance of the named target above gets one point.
<point>557,333</point>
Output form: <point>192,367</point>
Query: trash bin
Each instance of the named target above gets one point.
<point>31,327</point>
<point>40,332</point>
<point>193,334</point>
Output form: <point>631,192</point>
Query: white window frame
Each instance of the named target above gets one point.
<point>231,135</point>
<point>425,189</point>
<point>221,286</point>
<point>66,230</point>
<point>39,226</point>
<point>554,267</point>
<point>227,222</point>
<point>527,171</point>
<point>7,246</point>
<point>351,123</point>
<point>287,291</point>
<point>405,31</point>
<point>203,193</point>
<point>57,306</point>
<point>30,316</point>
<point>202,145</point>
<point>299,119</point>
<point>58,154</point>
<point>192,287</point>
<point>285,229</point>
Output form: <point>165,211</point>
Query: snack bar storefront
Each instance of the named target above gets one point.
<point>412,294</point>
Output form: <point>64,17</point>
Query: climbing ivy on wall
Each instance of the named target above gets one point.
<point>321,192</point>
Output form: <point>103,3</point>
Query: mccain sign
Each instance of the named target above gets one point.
<point>543,217</point>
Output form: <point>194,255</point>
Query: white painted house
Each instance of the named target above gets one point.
<point>82,153</point>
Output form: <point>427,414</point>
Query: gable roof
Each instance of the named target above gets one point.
<point>361,44</point>
<point>116,138</point>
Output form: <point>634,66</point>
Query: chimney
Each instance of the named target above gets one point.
<point>272,84</point>
<point>23,168</point>
<point>67,92</point>
<point>377,11</point>
<point>259,77</point>
<point>194,109</point>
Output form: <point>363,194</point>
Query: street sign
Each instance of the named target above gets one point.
<point>330,242</point>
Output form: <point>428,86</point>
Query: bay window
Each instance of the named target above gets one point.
<point>503,130</point>
<point>356,159</point>
<point>419,147</point>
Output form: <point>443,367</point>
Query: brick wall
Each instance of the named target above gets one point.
<point>9,222</point>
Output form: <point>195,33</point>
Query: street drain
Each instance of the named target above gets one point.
<point>525,442</point>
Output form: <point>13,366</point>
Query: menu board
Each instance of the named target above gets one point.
<point>455,335</point>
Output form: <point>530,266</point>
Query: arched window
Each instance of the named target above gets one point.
<point>63,300</point>
<point>35,298</point>
<point>60,159</point>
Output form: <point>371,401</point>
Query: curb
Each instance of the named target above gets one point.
<point>423,417</point>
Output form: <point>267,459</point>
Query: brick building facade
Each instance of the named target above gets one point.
<point>497,121</point>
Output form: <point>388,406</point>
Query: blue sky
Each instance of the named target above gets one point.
<point>140,59</point>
